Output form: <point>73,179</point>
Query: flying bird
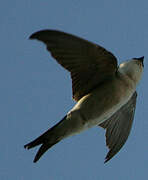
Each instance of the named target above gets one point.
<point>105,92</point>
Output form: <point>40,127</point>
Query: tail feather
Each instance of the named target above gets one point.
<point>36,142</point>
<point>46,140</point>
<point>42,150</point>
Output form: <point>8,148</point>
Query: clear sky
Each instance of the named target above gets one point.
<point>36,91</point>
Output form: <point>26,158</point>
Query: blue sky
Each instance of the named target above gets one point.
<point>36,91</point>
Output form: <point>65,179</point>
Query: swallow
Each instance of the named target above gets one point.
<point>105,92</point>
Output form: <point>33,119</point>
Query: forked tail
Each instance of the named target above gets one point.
<point>46,140</point>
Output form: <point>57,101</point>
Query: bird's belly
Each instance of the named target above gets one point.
<point>103,103</point>
<point>104,115</point>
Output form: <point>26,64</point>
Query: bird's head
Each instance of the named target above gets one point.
<point>133,68</point>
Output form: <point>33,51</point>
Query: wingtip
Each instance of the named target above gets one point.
<point>35,160</point>
<point>33,36</point>
<point>108,157</point>
<point>106,160</point>
<point>37,34</point>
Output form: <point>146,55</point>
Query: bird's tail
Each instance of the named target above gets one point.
<point>46,140</point>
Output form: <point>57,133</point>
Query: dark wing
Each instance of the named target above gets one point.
<point>118,127</point>
<point>88,63</point>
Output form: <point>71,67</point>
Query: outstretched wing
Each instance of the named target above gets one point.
<point>88,63</point>
<point>118,127</point>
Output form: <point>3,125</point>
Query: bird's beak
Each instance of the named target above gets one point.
<point>141,59</point>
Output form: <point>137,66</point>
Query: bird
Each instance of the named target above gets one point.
<point>105,92</point>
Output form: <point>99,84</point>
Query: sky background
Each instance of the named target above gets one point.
<point>36,92</point>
